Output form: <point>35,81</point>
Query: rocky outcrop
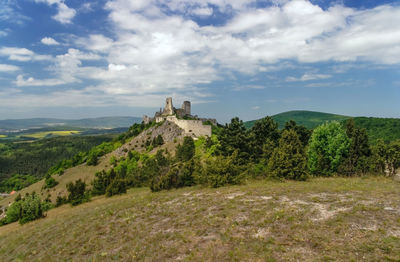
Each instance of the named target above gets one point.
<point>169,131</point>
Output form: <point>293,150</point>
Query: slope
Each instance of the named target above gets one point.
<point>387,129</point>
<point>170,132</point>
<point>325,219</point>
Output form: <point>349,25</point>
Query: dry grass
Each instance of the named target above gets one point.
<point>335,219</point>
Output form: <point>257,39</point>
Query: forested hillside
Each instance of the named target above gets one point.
<point>34,159</point>
<point>308,119</point>
<point>387,129</point>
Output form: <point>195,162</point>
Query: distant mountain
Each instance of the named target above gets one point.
<point>308,119</point>
<point>387,129</point>
<point>100,122</point>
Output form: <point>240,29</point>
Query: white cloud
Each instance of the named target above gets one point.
<point>21,81</point>
<point>3,33</point>
<point>49,41</point>
<point>204,11</point>
<point>64,14</point>
<point>8,68</point>
<point>96,42</point>
<point>308,77</point>
<point>255,107</point>
<point>22,54</point>
<point>156,50</point>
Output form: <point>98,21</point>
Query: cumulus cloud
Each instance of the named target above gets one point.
<point>8,68</point>
<point>64,14</point>
<point>22,54</point>
<point>157,49</point>
<point>49,41</point>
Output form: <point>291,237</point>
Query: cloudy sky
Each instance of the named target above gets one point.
<point>246,58</point>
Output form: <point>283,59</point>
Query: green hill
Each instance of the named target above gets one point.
<point>308,119</point>
<point>387,129</point>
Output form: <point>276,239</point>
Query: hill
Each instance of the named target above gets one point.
<point>387,129</point>
<point>308,119</point>
<point>324,219</point>
<point>100,122</point>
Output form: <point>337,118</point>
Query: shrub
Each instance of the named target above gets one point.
<point>117,186</point>
<point>77,193</point>
<point>49,182</point>
<point>289,160</point>
<point>329,144</point>
<point>26,209</point>
<point>220,171</point>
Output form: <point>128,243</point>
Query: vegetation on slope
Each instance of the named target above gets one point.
<point>308,119</point>
<point>35,159</point>
<point>387,129</point>
<point>324,219</point>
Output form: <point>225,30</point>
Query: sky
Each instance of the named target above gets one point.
<point>80,58</point>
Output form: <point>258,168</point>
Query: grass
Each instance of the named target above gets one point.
<point>3,136</point>
<point>324,219</point>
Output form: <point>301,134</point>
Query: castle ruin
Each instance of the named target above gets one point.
<point>191,125</point>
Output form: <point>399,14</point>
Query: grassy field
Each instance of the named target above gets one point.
<point>3,136</point>
<point>39,135</point>
<point>331,219</point>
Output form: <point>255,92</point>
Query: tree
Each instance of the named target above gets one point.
<point>77,192</point>
<point>186,151</point>
<point>234,137</point>
<point>378,158</point>
<point>264,130</point>
<point>393,157</point>
<point>289,160</point>
<point>329,144</point>
<point>303,133</point>
<point>359,151</point>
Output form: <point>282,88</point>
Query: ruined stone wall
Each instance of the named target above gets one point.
<point>191,127</point>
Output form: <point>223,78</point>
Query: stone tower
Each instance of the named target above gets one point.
<point>186,107</point>
<point>168,109</point>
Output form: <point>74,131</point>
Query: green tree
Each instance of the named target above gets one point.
<point>393,157</point>
<point>77,192</point>
<point>359,150</point>
<point>303,133</point>
<point>186,151</point>
<point>329,144</point>
<point>234,137</point>
<point>264,130</point>
<point>289,160</point>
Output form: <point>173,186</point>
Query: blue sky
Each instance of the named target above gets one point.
<point>77,58</point>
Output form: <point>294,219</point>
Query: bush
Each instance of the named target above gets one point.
<point>77,192</point>
<point>49,182</point>
<point>117,187</point>
<point>328,146</point>
<point>26,209</point>
<point>220,171</point>
<point>289,160</point>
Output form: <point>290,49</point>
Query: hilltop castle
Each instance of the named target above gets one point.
<point>192,125</point>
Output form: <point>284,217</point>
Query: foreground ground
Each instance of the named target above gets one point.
<point>335,219</point>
